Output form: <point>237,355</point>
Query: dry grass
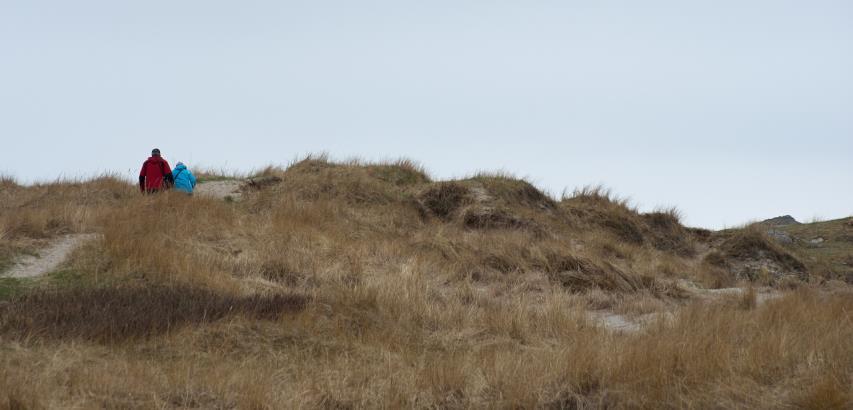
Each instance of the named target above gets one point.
<point>788,353</point>
<point>445,198</point>
<point>108,315</point>
<point>50,209</point>
<point>830,259</point>
<point>753,243</point>
<point>750,255</point>
<point>597,207</point>
<point>30,216</point>
<point>352,285</point>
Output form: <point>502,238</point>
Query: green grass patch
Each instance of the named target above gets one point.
<point>66,278</point>
<point>11,287</point>
<point>60,279</point>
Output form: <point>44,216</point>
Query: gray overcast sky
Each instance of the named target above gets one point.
<point>730,110</point>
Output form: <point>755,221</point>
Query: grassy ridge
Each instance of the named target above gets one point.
<point>371,285</point>
<point>832,254</point>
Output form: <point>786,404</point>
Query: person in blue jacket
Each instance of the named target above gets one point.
<point>184,179</point>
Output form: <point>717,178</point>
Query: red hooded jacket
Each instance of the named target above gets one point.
<point>155,174</point>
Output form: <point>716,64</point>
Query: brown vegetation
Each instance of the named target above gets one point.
<point>445,198</point>
<point>108,315</point>
<point>750,254</point>
<point>352,285</point>
<point>830,258</point>
<point>661,229</point>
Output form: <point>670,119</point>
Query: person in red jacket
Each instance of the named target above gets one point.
<point>156,175</point>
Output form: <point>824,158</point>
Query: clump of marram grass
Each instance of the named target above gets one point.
<point>481,217</point>
<point>753,243</point>
<point>751,254</point>
<point>443,199</point>
<point>512,191</point>
<point>662,229</point>
<point>666,232</point>
<point>596,194</point>
<point>595,206</point>
<point>8,183</point>
<point>354,182</point>
<point>488,201</point>
<point>577,273</point>
<point>401,172</point>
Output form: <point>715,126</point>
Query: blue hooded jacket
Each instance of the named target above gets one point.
<point>184,179</point>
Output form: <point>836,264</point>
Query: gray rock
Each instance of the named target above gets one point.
<point>781,221</point>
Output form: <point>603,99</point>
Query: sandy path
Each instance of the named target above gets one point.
<point>617,323</point>
<point>220,189</point>
<point>614,322</point>
<point>631,324</point>
<point>761,294</point>
<point>49,258</point>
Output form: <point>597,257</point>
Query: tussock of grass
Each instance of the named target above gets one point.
<point>579,274</point>
<point>354,183</point>
<point>514,191</point>
<point>668,234</point>
<point>596,206</point>
<point>8,182</point>
<point>662,229</point>
<point>751,255</point>
<point>400,173</point>
<point>597,194</point>
<point>492,218</point>
<point>752,243</point>
<point>443,199</point>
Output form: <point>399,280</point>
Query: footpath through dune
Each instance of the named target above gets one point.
<point>220,189</point>
<point>627,324</point>
<point>48,259</point>
<point>233,188</point>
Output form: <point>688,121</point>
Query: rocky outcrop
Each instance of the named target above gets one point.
<point>783,220</point>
